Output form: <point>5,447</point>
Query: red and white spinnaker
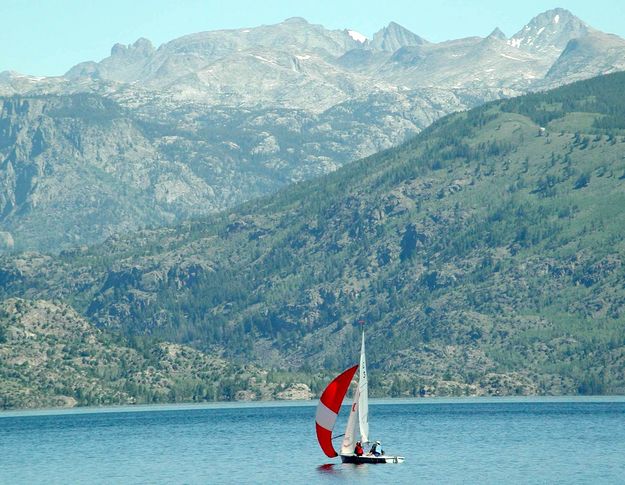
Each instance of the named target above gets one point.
<point>328,409</point>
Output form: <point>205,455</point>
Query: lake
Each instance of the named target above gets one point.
<point>514,440</point>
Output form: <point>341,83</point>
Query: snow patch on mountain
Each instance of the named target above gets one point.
<point>357,36</point>
<point>510,57</point>
<point>264,59</point>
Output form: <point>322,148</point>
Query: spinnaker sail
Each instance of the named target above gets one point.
<point>328,409</point>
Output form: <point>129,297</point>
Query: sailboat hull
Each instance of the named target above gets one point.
<point>371,459</point>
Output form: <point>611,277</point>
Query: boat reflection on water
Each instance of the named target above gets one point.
<point>327,468</point>
<point>336,469</point>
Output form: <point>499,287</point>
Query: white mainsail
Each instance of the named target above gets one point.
<point>363,400</point>
<point>349,440</point>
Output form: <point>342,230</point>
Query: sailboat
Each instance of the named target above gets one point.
<point>328,410</point>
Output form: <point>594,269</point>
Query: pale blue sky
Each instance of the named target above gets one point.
<point>47,37</point>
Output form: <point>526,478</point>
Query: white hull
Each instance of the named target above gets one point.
<point>371,459</point>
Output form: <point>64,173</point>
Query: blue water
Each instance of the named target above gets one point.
<point>452,441</point>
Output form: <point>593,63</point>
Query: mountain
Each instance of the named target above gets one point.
<point>212,119</point>
<point>521,62</point>
<point>53,357</point>
<point>592,53</point>
<point>571,49</point>
<point>393,37</point>
<point>485,256</point>
<point>497,34</point>
<point>288,64</point>
<point>550,32</point>
<point>80,155</point>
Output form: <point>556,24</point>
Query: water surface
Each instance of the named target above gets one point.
<point>572,440</point>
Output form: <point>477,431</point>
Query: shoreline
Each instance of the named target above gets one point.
<point>129,408</point>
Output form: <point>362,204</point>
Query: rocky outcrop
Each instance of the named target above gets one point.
<point>6,241</point>
<point>295,392</point>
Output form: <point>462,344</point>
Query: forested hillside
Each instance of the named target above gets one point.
<point>486,256</point>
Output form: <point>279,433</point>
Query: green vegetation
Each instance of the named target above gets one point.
<point>53,357</point>
<point>486,256</point>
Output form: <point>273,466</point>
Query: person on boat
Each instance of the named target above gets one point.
<point>374,449</point>
<point>358,451</point>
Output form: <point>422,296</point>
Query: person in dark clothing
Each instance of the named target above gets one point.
<point>374,449</point>
<point>358,451</point>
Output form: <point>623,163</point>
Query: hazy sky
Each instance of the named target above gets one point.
<point>47,37</point>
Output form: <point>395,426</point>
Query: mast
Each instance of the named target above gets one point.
<point>363,388</point>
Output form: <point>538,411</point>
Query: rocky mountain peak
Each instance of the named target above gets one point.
<point>143,44</point>
<point>393,37</point>
<point>550,31</point>
<point>497,34</point>
<point>142,47</point>
<point>295,20</point>
<point>7,75</point>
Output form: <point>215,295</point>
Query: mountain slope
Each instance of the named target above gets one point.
<point>485,256</point>
<point>75,169</point>
<point>598,52</point>
<point>51,357</point>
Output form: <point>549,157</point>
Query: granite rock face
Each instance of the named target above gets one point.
<point>78,168</point>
